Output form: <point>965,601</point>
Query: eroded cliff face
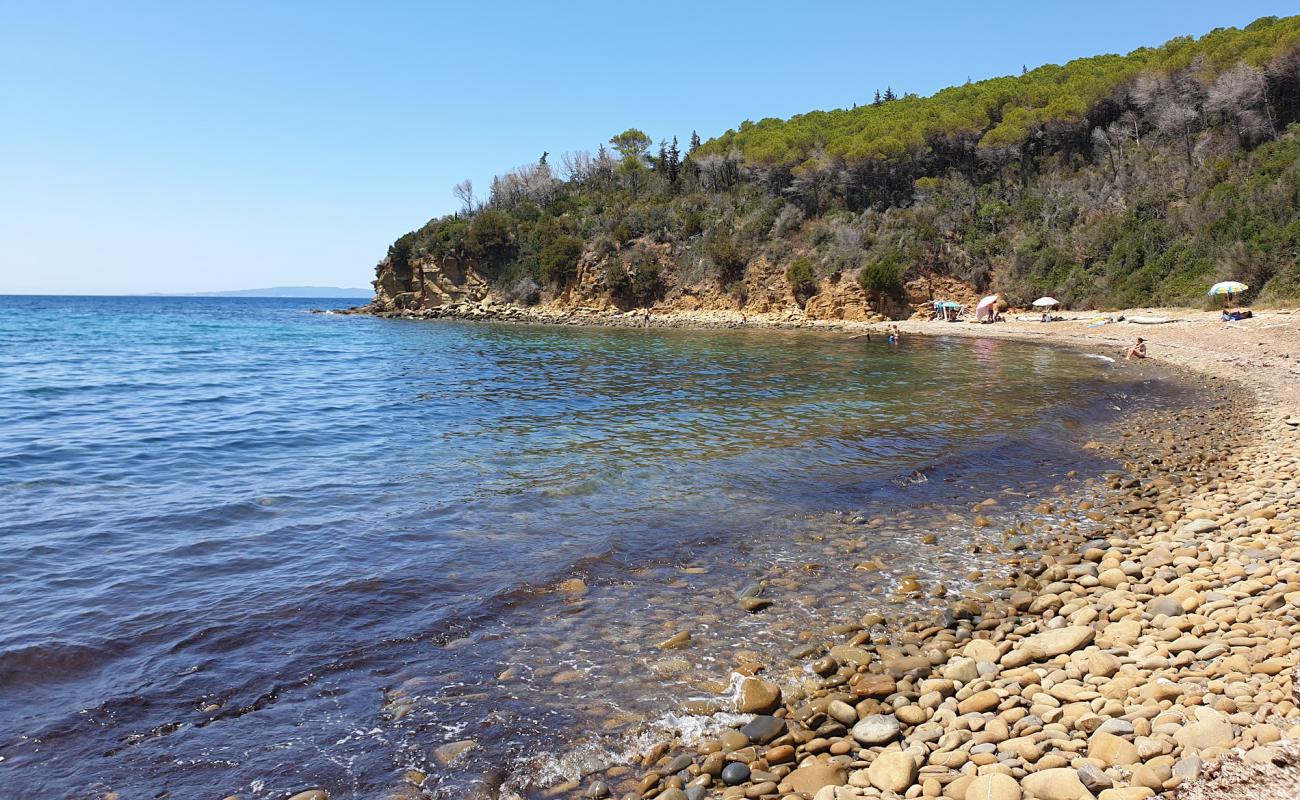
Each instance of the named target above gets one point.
<point>429,284</point>
<point>426,283</point>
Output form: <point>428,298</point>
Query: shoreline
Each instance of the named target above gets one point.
<point>1152,714</point>
<point>1152,660</point>
<point>1196,339</point>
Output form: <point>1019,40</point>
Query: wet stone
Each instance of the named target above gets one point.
<point>450,752</point>
<point>735,774</point>
<point>758,696</point>
<point>763,729</point>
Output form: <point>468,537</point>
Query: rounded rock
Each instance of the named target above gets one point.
<point>892,771</point>
<point>876,729</point>
<point>995,786</point>
<point>758,696</point>
<point>735,773</point>
<point>1059,783</point>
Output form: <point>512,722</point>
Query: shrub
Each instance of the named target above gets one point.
<point>803,281</point>
<point>399,254</point>
<point>730,257</point>
<point>634,280</point>
<point>559,260</point>
<point>884,273</point>
<point>692,224</point>
<point>788,221</point>
<point>489,239</point>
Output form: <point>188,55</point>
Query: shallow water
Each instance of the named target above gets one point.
<point>247,550</point>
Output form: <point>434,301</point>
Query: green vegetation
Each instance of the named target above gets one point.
<point>559,259</point>
<point>883,272</point>
<point>802,279</point>
<point>634,280</point>
<point>1113,180</point>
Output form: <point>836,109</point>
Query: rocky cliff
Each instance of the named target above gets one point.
<point>426,283</point>
<point>763,289</point>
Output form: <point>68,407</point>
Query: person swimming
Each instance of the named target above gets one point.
<point>894,334</point>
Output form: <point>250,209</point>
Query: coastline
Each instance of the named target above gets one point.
<point>1154,657</point>
<point>1254,352</point>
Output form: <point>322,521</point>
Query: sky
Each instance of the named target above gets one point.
<point>181,147</point>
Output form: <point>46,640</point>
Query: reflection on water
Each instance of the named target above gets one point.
<point>249,550</point>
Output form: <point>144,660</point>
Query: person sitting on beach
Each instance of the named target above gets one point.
<point>1138,350</point>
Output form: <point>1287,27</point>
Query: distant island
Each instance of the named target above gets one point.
<point>288,291</point>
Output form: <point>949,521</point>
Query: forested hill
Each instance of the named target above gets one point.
<point>1115,180</point>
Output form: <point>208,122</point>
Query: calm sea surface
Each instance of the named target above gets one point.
<point>249,550</point>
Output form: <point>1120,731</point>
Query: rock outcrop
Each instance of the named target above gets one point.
<point>426,283</point>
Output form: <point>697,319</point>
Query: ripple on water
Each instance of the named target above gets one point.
<point>249,549</point>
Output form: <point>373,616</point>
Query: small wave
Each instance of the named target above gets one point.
<point>916,476</point>
<point>1099,357</point>
<point>582,759</point>
<point>51,661</point>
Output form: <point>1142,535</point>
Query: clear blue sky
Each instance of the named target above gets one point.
<point>187,146</point>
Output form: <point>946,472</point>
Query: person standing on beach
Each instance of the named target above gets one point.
<point>1138,350</point>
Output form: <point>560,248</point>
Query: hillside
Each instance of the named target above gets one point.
<point>1116,180</point>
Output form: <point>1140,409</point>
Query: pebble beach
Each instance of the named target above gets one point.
<point>1151,655</point>
<point>1143,646</point>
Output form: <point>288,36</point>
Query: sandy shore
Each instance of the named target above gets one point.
<point>1261,354</point>
<point>1147,649</point>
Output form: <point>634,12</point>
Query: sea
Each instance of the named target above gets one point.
<point>247,549</point>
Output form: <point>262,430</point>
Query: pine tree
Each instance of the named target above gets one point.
<point>695,142</point>
<point>889,94</point>
<point>661,163</point>
<point>541,162</point>
<point>674,162</point>
<point>877,101</point>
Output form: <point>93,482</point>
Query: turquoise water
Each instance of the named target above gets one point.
<point>247,550</point>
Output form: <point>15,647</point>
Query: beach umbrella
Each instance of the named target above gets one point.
<point>1045,302</point>
<point>987,305</point>
<point>1228,287</point>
